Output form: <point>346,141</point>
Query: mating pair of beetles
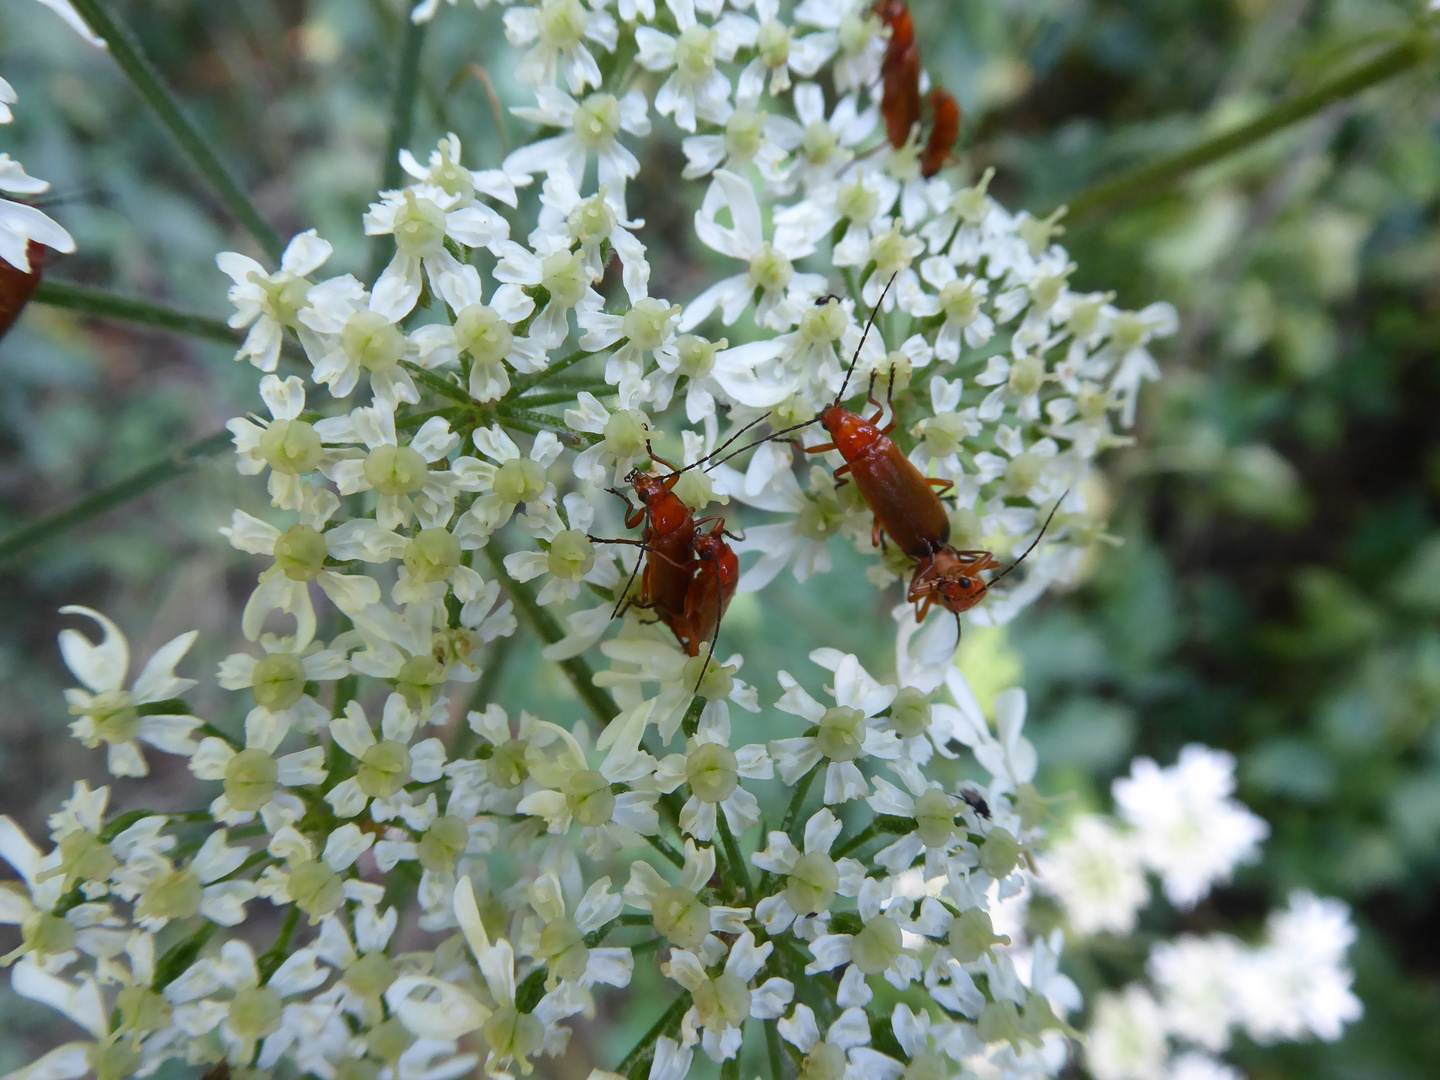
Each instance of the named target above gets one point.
<point>690,574</point>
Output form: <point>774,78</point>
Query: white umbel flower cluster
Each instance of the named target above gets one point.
<point>1183,823</point>
<point>436,450</point>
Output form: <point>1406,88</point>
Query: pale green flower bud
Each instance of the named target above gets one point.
<point>562,24</point>
<point>811,885</point>
<point>511,1033</point>
<point>372,341</point>
<point>389,1040</point>
<point>825,1062</point>
<point>396,470</point>
<point>113,1061</point>
<point>483,333</point>
<point>680,917</point>
<point>999,854</point>
<point>563,275</point>
<point>972,935</point>
<point>648,322</point>
<point>300,553</point>
<point>712,772</point>
<point>175,895</point>
<point>877,946</point>
<point>944,433</point>
<point>842,733</point>
<point>254,1012</point>
<point>935,818</point>
<point>625,433</point>
<point>1027,375</point>
<point>419,227</point>
<point>291,447</point>
<point>384,769</point>
<point>142,1010</point>
<point>770,270</point>
<point>507,766</point>
<point>593,219</point>
<point>315,889</point>
<point>1023,472</point>
<point>562,947</point>
<point>695,52</point>
<point>432,555</point>
<point>250,779</point>
<point>697,354</point>
<point>745,133</point>
<point>370,976</point>
<point>443,842</point>
<point>278,681</point>
<point>520,480</point>
<point>910,713</point>
<point>572,555</point>
<point>723,1001</point>
<point>822,324</point>
<point>773,43</point>
<point>589,798</point>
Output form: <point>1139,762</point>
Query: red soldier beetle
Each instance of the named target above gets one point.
<point>899,72</point>
<point>944,130</point>
<point>690,576</point>
<point>712,587</point>
<point>902,498</point>
<point>952,579</point>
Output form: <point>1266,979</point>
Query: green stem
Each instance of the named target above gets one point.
<point>108,305</point>
<point>772,1044</point>
<point>147,82</point>
<point>442,386</point>
<point>402,123</point>
<point>665,849</point>
<point>738,870</point>
<point>642,1051</point>
<point>730,1068</point>
<point>180,956</point>
<point>863,837</point>
<point>544,624</point>
<point>520,383</point>
<point>555,397</point>
<point>121,491</point>
<point>792,813</point>
<point>277,952</point>
<point>509,414</point>
<point>1147,179</point>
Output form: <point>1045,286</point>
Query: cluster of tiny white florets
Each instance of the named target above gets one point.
<point>1183,823</point>
<point>425,450</point>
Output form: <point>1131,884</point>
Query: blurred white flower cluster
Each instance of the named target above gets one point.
<point>1182,823</point>
<point>445,434</point>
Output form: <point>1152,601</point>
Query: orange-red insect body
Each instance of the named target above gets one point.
<point>712,587</point>
<point>951,579</point>
<point>899,72</point>
<point>902,498</point>
<point>668,537</point>
<point>16,286</point>
<point>944,130</point>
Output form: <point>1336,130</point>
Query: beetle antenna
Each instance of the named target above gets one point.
<point>768,438</point>
<point>868,326</point>
<point>1033,543</point>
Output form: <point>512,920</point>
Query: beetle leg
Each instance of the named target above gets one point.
<point>842,470</point>
<point>939,484</point>
<point>822,448</point>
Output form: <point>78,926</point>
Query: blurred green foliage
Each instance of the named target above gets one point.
<point>1277,592</point>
